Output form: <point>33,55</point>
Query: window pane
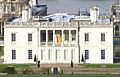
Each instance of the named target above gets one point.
<point>65,54</point>
<point>29,37</point>
<point>13,54</point>
<point>13,36</point>
<point>29,54</point>
<point>73,32</point>
<point>86,37</point>
<point>49,54</point>
<point>72,54</point>
<point>102,36</point>
<point>41,54</point>
<point>102,54</point>
<point>86,54</point>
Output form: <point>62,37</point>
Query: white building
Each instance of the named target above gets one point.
<point>87,41</point>
<point>57,42</point>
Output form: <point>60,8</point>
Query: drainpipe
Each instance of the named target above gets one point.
<point>37,44</point>
<point>79,41</point>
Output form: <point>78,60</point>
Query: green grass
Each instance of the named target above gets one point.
<point>1,51</point>
<point>17,65</point>
<point>60,76</point>
<point>101,65</point>
<point>117,50</point>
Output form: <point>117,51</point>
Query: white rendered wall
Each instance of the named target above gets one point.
<point>21,45</point>
<point>95,45</point>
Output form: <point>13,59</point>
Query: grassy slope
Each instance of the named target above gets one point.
<point>61,76</point>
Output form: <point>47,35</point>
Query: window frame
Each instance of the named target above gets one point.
<point>102,54</point>
<point>30,37</point>
<point>86,54</point>
<point>102,37</point>
<point>13,37</point>
<point>30,56</point>
<point>86,35</point>
<point>13,54</point>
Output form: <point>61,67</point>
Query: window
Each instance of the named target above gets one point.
<point>29,37</point>
<point>49,54</point>
<point>102,36</point>
<point>58,56</point>
<point>86,37</point>
<point>72,54</point>
<point>65,54</point>
<point>102,54</point>
<point>66,34</point>
<point>29,54</point>
<point>73,35</point>
<point>86,54</point>
<point>13,54</point>
<point>42,54</point>
<point>13,36</point>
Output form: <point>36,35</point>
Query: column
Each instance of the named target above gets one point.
<point>0,28</point>
<point>76,37</point>
<point>62,38</point>
<point>1,33</point>
<point>69,37</point>
<point>39,37</point>
<point>46,37</point>
<point>53,37</point>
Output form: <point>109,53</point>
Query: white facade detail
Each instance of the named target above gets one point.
<point>94,13</point>
<point>25,15</point>
<point>57,42</point>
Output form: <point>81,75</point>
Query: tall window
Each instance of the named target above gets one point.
<point>49,54</point>
<point>29,54</point>
<point>72,54</point>
<point>86,37</point>
<point>102,54</point>
<point>73,35</point>
<point>13,54</point>
<point>66,33</point>
<point>102,36</point>
<point>42,54</point>
<point>86,54</point>
<point>30,37</point>
<point>65,54</point>
<point>13,37</point>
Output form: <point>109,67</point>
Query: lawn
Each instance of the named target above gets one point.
<point>60,76</point>
<point>101,65</point>
<point>17,65</point>
<point>117,50</point>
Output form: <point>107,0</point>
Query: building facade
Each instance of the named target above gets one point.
<point>58,42</point>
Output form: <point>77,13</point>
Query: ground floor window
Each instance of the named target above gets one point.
<point>65,54</point>
<point>49,54</point>
<point>58,54</point>
<point>29,54</point>
<point>72,54</point>
<point>13,54</point>
<point>86,54</point>
<point>102,54</point>
<point>42,54</point>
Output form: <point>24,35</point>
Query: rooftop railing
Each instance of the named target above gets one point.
<point>57,24</point>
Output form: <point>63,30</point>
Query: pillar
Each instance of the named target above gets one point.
<point>1,33</point>
<point>46,37</point>
<point>76,37</point>
<point>53,37</point>
<point>69,37</point>
<point>39,37</point>
<point>62,37</point>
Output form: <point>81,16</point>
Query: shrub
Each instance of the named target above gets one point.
<point>9,70</point>
<point>28,71</point>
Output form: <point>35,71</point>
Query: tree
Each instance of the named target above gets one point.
<point>35,58</point>
<point>82,59</point>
